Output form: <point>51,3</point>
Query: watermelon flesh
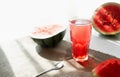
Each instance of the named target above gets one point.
<point>108,68</point>
<point>47,31</point>
<point>106,19</point>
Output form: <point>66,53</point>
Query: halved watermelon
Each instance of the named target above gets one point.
<point>106,19</point>
<point>48,36</point>
<point>108,68</point>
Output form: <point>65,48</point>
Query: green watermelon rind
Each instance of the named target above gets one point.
<point>51,41</point>
<point>94,74</point>
<point>94,25</point>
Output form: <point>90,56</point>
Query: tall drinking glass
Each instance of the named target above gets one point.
<point>80,33</point>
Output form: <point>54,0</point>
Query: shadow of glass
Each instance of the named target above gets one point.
<point>95,57</point>
<point>5,67</point>
<point>58,53</point>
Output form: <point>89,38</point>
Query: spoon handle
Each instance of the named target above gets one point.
<point>44,72</point>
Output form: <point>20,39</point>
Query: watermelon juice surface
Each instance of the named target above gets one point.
<point>80,32</point>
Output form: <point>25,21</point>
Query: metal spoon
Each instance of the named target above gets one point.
<point>57,66</point>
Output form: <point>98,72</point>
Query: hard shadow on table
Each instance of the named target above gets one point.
<point>63,52</point>
<point>84,69</point>
<point>5,67</point>
<point>58,53</point>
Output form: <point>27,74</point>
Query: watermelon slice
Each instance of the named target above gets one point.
<point>48,36</point>
<point>106,19</point>
<point>108,68</point>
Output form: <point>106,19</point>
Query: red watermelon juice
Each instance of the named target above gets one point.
<point>80,32</point>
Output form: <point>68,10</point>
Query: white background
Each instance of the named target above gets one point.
<point>18,17</point>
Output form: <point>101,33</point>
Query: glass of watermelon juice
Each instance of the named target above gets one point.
<point>80,33</point>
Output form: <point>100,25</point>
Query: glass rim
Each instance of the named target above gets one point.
<point>81,21</point>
